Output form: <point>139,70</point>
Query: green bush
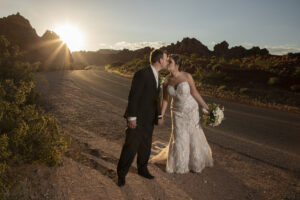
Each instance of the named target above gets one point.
<point>251,66</point>
<point>243,66</point>
<point>227,78</point>
<point>297,72</point>
<point>4,153</point>
<point>199,74</point>
<point>133,65</point>
<point>222,61</point>
<point>243,90</point>
<point>235,62</point>
<point>27,135</point>
<point>216,67</point>
<point>295,88</point>
<point>262,63</point>
<point>222,87</point>
<point>273,80</point>
<point>214,76</point>
<point>209,66</point>
<point>194,55</point>
<point>79,67</point>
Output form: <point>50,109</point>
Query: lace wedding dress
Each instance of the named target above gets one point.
<point>188,149</point>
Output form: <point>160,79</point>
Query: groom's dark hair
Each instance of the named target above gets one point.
<point>156,54</point>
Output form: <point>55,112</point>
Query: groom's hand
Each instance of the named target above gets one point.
<point>131,124</point>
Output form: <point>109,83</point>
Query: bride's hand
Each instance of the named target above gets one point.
<point>160,121</point>
<point>206,111</point>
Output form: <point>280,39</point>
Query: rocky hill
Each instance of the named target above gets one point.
<point>187,46</point>
<point>48,49</point>
<point>105,56</point>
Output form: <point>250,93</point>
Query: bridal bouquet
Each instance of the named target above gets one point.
<point>216,115</point>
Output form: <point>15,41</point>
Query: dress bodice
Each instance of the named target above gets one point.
<point>182,98</point>
<point>183,89</point>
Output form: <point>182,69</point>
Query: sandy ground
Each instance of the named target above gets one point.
<point>88,169</point>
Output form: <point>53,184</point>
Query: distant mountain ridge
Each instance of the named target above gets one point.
<point>53,53</point>
<point>186,47</point>
<point>191,45</point>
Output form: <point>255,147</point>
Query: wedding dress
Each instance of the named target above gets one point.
<point>188,149</point>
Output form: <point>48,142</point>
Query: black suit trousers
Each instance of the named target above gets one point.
<point>138,141</point>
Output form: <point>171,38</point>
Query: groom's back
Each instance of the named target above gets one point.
<point>143,94</point>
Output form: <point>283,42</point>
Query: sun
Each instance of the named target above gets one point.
<point>71,35</point>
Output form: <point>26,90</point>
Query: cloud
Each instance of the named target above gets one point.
<point>104,46</point>
<point>247,44</point>
<point>276,50</point>
<point>132,45</point>
<point>282,49</point>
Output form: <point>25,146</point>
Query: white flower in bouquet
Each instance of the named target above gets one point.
<point>215,117</point>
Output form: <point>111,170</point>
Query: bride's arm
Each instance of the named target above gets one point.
<point>195,93</point>
<point>165,100</point>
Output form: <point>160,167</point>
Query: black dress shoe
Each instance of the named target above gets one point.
<point>121,181</point>
<point>146,175</point>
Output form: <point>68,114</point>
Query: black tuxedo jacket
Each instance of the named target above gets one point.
<point>144,98</point>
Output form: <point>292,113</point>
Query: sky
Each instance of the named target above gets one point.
<point>132,24</point>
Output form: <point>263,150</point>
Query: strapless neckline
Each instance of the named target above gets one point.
<point>177,85</point>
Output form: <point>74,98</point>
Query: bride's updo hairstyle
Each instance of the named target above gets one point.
<point>177,60</point>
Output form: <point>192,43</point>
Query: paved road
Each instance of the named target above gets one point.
<point>267,135</point>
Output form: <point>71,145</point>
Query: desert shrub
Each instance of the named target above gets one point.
<point>201,59</point>
<point>199,74</point>
<point>222,87</point>
<point>27,134</point>
<point>216,67</point>
<point>194,56</point>
<point>209,66</point>
<point>141,63</point>
<point>222,61</point>
<point>4,153</point>
<point>214,76</point>
<point>79,67</point>
<point>251,66</point>
<point>116,64</point>
<point>262,63</point>
<point>243,90</point>
<point>295,88</point>
<point>134,65</point>
<point>212,59</point>
<point>235,62</point>
<point>227,78</point>
<point>273,80</point>
<point>297,73</point>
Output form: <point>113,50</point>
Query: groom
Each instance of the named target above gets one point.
<point>142,112</point>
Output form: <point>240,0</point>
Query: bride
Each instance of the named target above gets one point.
<point>188,149</point>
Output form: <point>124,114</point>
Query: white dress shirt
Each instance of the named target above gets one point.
<point>156,79</point>
<point>155,75</point>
